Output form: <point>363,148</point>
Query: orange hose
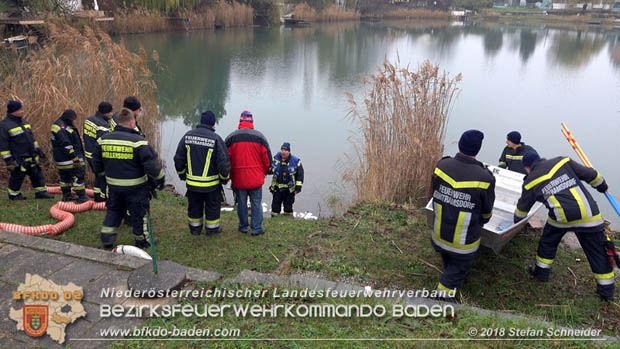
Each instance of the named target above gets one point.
<point>62,211</point>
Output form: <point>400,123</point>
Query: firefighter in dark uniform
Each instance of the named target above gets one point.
<point>288,177</point>
<point>557,184</point>
<point>202,161</point>
<point>69,156</point>
<point>132,103</point>
<point>95,127</point>
<point>128,161</point>
<point>21,153</point>
<point>463,197</point>
<point>512,155</point>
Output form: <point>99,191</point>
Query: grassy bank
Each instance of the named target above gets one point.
<point>509,16</point>
<point>380,244</point>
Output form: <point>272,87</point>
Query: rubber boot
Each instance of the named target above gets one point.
<point>43,195</point>
<point>145,244</point>
<point>82,198</point>
<point>66,194</point>
<point>17,197</point>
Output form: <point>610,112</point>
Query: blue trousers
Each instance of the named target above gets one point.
<point>256,198</point>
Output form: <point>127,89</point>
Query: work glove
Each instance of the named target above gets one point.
<point>602,188</point>
<point>297,189</point>
<point>272,189</point>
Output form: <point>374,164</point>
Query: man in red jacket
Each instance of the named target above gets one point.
<point>250,162</point>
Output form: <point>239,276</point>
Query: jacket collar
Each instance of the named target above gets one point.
<point>12,117</point>
<point>100,115</point>
<point>125,129</point>
<point>205,126</point>
<point>245,124</point>
<point>466,159</point>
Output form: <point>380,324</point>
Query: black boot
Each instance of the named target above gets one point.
<point>17,197</point>
<point>66,194</point>
<point>43,195</point>
<point>81,196</point>
<point>146,244</point>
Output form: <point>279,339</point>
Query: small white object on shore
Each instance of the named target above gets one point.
<point>132,251</point>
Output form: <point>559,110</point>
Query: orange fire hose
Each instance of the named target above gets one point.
<point>62,211</point>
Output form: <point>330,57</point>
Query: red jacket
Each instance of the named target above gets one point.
<point>250,157</point>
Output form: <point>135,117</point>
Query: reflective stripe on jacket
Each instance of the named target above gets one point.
<point>95,127</point>
<point>463,198</point>
<point>513,159</point>
<point>557,184</point>
<point>17,141</point>
<point>203,158</point>
<point>66,144</point>
<point>126,158</point>
<point>295,173</point>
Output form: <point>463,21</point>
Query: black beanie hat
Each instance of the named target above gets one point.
<point>69,114</point>
<point>13,106</point>
<point>105,107</point>
<point>132,103</point>
<point>207,118</point>
<point>471,142</point>
<point>514,137</point>
<point>530,157</point>
<point>286,145</point>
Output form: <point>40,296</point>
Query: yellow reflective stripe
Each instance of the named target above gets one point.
<point>13,191</point>
<point>55,128</point>
<point>459,227</point>
<point>126,182</point>
<point>282,185</point>
<point>202,184</point>
<point>438,213</point>
<point>547,176</point>
<point>520,213</point>
<point>189,161</point>
<point>27,126</point>
<point>160,175</point>
<point>206,169</point>
<point>225,177</point>
<point>577,221</point>
<point>556,204</point>
<point>182,172</point>
<point>451,291</point>
<point>16,131</point>
<point>582,206</point>
<point>108,230</point>
<point>464,184</point>
<point>215,221</point>
<point>487,215</point>
<point>503,163</point>
<point>299,183</point>
<point>596,181</point>
<point>102,141</point>
<point>6,152</point>
<point>514,157</point>
<point>544,260</point>
<point>195,220</point>
<point>604,276</point>
<point>203,179</point>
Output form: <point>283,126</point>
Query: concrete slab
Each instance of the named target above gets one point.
<point>253,277</point>
<point>32,262</point>
<point>170,276</point>
<point>201,275</point>
<point>311,282</point>
<point>81,273</point>
<point>116,280</point>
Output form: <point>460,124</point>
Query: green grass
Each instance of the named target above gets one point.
<point>515,10</point>
<point>336,332</point>
<point>380,244</point>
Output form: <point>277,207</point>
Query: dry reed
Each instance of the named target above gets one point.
<point>401,132</point>
<point>233,15</point>
<point>415,13</point>
<point>331,13</point>
<point>78,70</point>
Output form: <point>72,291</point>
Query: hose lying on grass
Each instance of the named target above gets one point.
<point>62,211</point>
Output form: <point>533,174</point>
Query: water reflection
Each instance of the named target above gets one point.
<point>294,80</point>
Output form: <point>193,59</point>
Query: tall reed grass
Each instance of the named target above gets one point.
<point>144,21</point>
<point>402,128</point>
<point>78,70</point>
<point>415,13</point>
<point>331,13</point>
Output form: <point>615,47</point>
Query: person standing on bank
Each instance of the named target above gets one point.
<point>21,153</point>
<point>202,161</point>
<point>250,160</point>
<point>132,103</point>
<point>127,161</point>
<point>288,177</point>
<point>463,198</point>
<point>69,157</point>
<point>512,155</point>
<point>95,127</point>
<point>557,184</point>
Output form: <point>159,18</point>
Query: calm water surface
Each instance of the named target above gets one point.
<point>526,78</point>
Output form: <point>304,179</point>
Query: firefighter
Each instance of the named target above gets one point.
<point>557,184</point>
<point>202,161</point>
<point>288,177</point>
<point>463,197</point>
<point>512,155</point>
<point>95,127</point>
<point>69,156</point>
<point>128,161</point>
<point>21,153</point>
<point>132,103</point>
